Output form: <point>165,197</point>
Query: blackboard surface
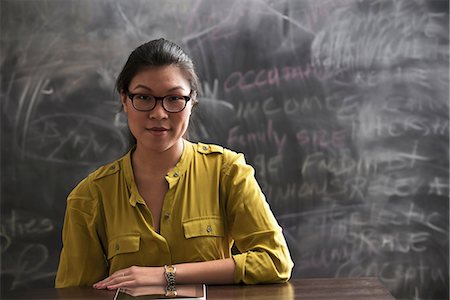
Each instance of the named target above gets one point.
<point>341,106</point>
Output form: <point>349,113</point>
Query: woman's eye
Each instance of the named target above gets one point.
<point>174,98</point>
<point>143,97</point>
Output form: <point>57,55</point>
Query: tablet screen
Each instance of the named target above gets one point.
<point>185,291</point>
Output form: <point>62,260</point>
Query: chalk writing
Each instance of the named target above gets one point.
<point>267,136</point>
<point>270,77</point>
<point>269,107</point>
<point>340,50</point>
<point>267,166</point>
<point>27,268</point>
<point>210,93</point>
<point>438,186</point>
<point>379,126</point>
<point>406,217</point>
<point>24,258</point>
<point>397,275</point>
<point>356,188</point>
<point>346,164</point>
<point>322,139</point>
<point>51,138</point>
<point>17,225</point>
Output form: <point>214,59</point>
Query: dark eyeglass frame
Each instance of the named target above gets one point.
<point>186,99</point>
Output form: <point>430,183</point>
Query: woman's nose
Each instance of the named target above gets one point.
<point>158,112</point>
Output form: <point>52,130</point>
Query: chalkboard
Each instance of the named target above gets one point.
<point>341,106</point>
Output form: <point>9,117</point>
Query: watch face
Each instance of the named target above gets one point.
<point>171,269</point>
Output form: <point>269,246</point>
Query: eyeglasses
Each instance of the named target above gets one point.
<point>170,103</point>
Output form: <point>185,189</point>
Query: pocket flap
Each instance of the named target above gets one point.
<point>208,226</point>
<point>124,244</point>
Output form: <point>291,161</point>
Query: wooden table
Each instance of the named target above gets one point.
<point>326,288</point>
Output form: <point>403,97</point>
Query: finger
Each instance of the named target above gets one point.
<point>115,278</point>
<point>101,284</point>
<point>104,282</point>
<point>118,278</point>
<point>122,284</point>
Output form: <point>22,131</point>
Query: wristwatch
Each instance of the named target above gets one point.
<point>169,272</point>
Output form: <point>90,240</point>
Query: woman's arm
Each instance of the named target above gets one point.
<point>82,260</point>
<point>264,255</point>
<point>209,272</point>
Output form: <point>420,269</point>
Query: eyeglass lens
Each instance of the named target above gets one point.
<point>169,103</point>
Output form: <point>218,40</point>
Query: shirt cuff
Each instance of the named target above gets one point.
<point>239,271</point>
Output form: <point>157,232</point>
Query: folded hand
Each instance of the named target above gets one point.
<point>133,277</point>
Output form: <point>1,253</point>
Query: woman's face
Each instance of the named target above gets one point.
<point>158,130</point>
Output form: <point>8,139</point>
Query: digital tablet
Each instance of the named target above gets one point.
<point>183,291</point>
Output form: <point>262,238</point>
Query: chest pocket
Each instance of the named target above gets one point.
<point>124,244</point>
<point>203,227</point>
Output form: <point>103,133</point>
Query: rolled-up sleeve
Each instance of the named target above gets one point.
<point>264,256</point>
<point>82,261</point>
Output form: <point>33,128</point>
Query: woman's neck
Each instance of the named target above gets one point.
<point>155,162</point>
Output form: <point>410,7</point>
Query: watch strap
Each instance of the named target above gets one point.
<point>171,291</point>
<point>169,272</point>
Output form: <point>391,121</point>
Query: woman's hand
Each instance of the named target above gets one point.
<point>219,271</point>
<point>133,277</point>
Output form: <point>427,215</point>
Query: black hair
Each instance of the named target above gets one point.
<point>158,53</point>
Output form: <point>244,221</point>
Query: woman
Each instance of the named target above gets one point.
<point>170,210</point>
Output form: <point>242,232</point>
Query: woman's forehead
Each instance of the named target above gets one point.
<point>165,77</point>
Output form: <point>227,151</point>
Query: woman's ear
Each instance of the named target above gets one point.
<point>194,96</point>
<point>123,99</point>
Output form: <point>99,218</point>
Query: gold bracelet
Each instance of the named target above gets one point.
<point>169,272</point>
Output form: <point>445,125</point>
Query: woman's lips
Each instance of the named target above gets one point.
<point>158,130</point>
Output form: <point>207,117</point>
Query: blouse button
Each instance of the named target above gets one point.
<point>175,174</point>
<point>208,228</point>
<point>166,215</point>
<point>112,167</point>
<point>205,147</point>
<point>117,247</point>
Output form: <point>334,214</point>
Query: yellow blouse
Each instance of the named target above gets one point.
<point>213,200</point>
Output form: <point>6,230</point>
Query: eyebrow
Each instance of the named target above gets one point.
<point>175,88</point>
